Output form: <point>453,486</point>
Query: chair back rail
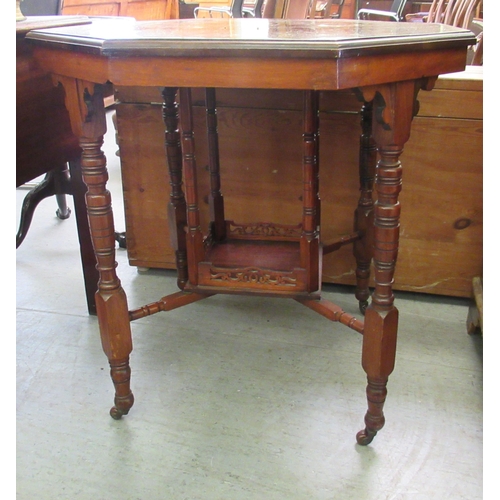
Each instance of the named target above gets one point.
<point>298,9</point>
<point>394,13</point>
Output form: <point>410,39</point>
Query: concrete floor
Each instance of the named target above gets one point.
<point>260,400</point>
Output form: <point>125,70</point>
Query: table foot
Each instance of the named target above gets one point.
<point>117,413</point>
<point>363,304</point>
<point>376,392</point>
<point>365,437</point>
<point>121,239</point>
<point>124,399</point>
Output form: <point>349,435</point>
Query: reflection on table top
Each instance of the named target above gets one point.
<point>321,38</point>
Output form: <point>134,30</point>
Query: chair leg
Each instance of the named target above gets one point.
<point>63,211</point>
<point>56,182</point>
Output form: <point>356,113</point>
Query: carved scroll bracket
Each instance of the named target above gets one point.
<point>394,106</point>
<point>85,104</point>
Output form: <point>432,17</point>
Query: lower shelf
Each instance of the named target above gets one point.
<point>272,266</point>
<point>276,255</point>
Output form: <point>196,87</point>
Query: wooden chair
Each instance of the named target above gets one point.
<point>477,51</point>
<point>298,9</point>
<point>459,13</point>
<point>329,9</point>
<point>395,12</point>
<point>233,10</point>
<point>253,9</point>
<point>268,10</point>
<point>453,12</point>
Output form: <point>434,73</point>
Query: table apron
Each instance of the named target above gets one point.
<point>234,72</point>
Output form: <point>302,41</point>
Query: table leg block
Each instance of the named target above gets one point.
<point>378,359</point>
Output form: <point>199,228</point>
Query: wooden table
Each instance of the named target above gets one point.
<point>387,64</point>
<point>45,145</point>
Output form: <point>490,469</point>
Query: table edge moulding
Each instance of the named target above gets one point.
<point>386,63</point>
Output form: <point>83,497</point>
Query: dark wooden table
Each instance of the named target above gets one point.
<point>46,146</point>
<point>387,64</point>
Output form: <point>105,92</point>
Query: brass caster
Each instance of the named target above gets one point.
<point>363,304</point>
<point>63,215</point>
<point>116,413</point>
<point>365,437</point>
<point>121,239</point>
<point>122,406</point>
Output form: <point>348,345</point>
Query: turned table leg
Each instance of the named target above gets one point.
<point>111,302</point>
<point>381,317</point>
<point>363,216</point>
<point>394,106</point>
<point>311,205</point>
<point>177,205</point>
<point>85,104</point>
<point>216,200</point>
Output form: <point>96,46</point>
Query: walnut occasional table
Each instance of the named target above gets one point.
<point>387,64</point>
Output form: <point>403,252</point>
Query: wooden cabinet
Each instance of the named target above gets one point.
<point>141,10</point>
<point>441,223</point>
